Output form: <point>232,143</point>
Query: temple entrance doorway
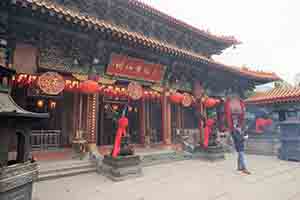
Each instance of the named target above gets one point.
<point>110,111</point>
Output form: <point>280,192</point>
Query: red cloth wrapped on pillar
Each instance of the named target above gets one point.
<point>228,114</point>
<point>242,115</point>
<point>121,132</point>
<point>200,129</point>
<point>207,131</point>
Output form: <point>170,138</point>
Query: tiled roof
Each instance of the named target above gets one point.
<point>8,108</point>
<point>101,26</point>
<point>229,40</point>
<point>276,95</point>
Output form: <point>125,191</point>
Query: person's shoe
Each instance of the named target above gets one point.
<point>245,171</point>
<point>239,169</point>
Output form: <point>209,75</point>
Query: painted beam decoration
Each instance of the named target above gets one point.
<point>51,83</point>
<point>134,68</point>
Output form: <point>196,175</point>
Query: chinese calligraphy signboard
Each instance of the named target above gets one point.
<point>51,83</point>
<point>135,68</point>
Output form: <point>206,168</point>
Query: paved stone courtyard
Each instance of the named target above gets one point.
<point>272,179</point>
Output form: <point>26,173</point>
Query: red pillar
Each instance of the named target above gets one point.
<point>142,116</point>
<point>92,116</point>
<point>166,119</point>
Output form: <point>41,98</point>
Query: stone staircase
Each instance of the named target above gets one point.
<point>58,169</point>
<point>162,157</point>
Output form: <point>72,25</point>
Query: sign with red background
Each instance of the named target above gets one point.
<point>134,68</point>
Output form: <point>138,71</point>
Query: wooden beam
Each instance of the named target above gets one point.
<point>31,22</point>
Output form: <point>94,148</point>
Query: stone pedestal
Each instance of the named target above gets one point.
<point>212,153</point>
<point>16,181</point>
<point>121,168</point>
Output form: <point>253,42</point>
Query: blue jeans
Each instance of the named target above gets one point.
<point>241,161</point>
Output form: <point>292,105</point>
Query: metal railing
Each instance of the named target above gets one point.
<point>187,134</point>
<point>45,139</point>
<point>155,136</point>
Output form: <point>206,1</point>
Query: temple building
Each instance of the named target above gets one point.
<point>83,61</point>
<point>282,103</point>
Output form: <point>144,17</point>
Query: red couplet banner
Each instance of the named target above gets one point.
<point>134,68</point>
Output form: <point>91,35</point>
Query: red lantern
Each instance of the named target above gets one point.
<point>211,102</point>
<point>176,98</point>
<point>187,100</point>
<point>89,87</point>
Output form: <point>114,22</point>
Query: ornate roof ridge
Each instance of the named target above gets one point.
<point>283,94</point>
<point>221,38</point>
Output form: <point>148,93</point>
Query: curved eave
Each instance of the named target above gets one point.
<point>274,101</point>
<point>224,40</point>
<point>28,115</point>
<point>8,108</point>
<point>103,27</point>
<point>276,96</point>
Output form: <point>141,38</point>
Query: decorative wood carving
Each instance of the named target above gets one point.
<point>135,91</point>
<point>119,13</point>
<point>25,58</point>
<point>51,83</point>
<point>59,52</point>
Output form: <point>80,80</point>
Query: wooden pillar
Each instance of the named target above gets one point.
<point>166,118</point>
<point>80,99</point>
<point>101,122</point>
<point>179,116</point>
<point>203,113</point>
<point>92,118</point>
<point>142,117</point>
<point>76,116</point>
<point>147,120</point>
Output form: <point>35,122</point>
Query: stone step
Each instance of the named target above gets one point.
<point>58,169</point>
<point>66,167</point>
<point>62,174</point>
<point>156,159</point>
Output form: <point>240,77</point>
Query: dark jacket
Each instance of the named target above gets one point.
<point>238,139</point>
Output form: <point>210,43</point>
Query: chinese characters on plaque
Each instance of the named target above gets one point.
<point>134,68</point>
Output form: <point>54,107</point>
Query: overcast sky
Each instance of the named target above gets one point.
<point>269,30</point>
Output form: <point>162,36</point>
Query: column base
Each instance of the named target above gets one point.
<point>121,168</point>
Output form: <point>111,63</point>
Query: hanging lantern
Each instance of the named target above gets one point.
<point>187,100</point>
<point>211,102</point>
<point>89,87</point>
<point>146,94</point>
<point>176,98</point>
<point>40,103</point>
<point>135,91</point>
<point>123,92</point>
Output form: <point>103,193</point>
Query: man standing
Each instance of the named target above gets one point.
<point>239,139</point>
